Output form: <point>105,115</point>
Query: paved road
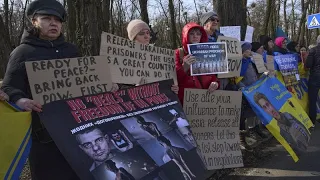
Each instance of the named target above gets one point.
<point>282,167</point>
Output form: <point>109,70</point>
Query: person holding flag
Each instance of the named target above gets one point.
<point>43,40</point>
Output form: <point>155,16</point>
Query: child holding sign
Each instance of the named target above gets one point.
<point>192,33</point>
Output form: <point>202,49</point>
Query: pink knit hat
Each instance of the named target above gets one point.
<point>135,26</point>
<point>279,41</point>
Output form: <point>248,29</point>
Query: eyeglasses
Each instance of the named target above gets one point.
<point>214,19</point>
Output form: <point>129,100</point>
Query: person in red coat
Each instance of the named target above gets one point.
<point>192,33</point>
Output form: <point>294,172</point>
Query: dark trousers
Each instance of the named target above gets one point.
<point>47,163</point>
<point>313,98</point>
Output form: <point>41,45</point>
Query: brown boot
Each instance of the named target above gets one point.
<point>243,143</point>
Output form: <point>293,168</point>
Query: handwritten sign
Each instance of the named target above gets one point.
<point>234,53</point>
<point>130,61</point>
<point>214,119</point>
<point>52,80</point>
<point>233,46</point>
<point>270,63</point>
<point>249,34</point>
<point>231,31</point>
<point>234,66</point>
<point>211,58</point>
<point>258,61</point>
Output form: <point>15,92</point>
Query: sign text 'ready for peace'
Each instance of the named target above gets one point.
<point>52,80</point>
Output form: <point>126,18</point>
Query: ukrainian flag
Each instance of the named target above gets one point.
<point>15,140</point>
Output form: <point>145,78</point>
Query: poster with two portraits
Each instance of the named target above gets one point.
<point>135,133</point>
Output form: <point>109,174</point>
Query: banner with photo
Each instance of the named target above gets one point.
<point>281,113</point>
<point>215,119</point>
<point>211,58</point>
<point>288,66</point>
<point>135,133</point>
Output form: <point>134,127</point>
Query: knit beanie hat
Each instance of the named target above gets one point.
<point>135,26</point>
<point>264,39</point>
<point>246,46</point>
<point>255,46</point>
<point>204,18</point>
<point>291,46</point>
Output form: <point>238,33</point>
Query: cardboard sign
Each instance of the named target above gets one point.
<point>233,46</point>
<point>130,61</point>
<point>141,131</point>
<point>211,58</point>
<point>258,61</point>
<point>270,63</point>
<point>52,80</point>
<point>231,31</point>
<point>215,119</point>
<point>234,65</point>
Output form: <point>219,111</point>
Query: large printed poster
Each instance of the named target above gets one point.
<point>136,133</point>
<point>281,113</point>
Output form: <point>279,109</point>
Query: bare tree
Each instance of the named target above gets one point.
<point>144,10</point>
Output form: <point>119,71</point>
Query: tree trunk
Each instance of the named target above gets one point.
<point>72,21</point>
<point>6,15</point>
<point>286,23</point>
<point>5,48</point>
<point>267,17</point>
<point>144,10</point>
<point>173,25</point>
<point>304,6</point>
<point>236,15</point>
<point>106,11</point>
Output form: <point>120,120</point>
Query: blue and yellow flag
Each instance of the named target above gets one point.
<point>15,140</point>
<point>281,113</point>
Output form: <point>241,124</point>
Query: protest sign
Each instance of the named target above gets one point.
<point>270,63</point>
<point>281,113</point>
<point>231,31</point>
<point>15,140</point>
<point>249,34</point>
<point>52,80</point>
<point>258,61</point>
<point>233,46</point>
<point>288,66</point>
<point>234,53</point>
<point>131,59</point>
<point>211,58</point>
<point>141,131</point>
<point>234,67</point>
<point>214,119</point>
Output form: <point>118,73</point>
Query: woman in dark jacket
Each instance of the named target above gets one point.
<point>43,41</point>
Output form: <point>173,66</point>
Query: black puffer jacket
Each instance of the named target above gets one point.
<point>31,48</point>
<point>313,63</point>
